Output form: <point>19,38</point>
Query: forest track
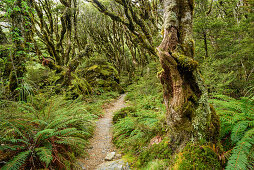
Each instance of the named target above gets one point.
<point>101,143</point>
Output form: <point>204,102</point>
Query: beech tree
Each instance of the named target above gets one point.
<point>189,115</point>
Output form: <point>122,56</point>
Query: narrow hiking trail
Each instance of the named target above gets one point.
<point>101,143</point>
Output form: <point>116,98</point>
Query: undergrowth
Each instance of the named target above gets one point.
<point>47,133</point>
<point>143,120</point>
<point>237,130</point>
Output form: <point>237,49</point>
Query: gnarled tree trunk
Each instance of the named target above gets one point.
<point>189,115</point>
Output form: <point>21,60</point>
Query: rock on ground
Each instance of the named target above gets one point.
<point>110,156</point>
<point>114,165</point>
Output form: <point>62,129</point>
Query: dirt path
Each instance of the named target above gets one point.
<point>101,143</point>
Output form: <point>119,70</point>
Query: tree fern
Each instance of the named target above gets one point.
<point>17,161</point>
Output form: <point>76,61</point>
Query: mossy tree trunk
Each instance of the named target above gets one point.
<point>189,115</point>
<point>18,53</point>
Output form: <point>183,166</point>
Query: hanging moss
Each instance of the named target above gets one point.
<point>196,156</point>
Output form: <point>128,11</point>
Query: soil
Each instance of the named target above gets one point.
<point>101,143</point>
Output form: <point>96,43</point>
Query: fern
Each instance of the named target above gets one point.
<point>17,161</point>
<point>44,134</point>
<point>75,142</point>
<point>242,155</point>
<point>45,155</point>
<point>238,131</point>
<point>60,126</point>
<point>237,120</point>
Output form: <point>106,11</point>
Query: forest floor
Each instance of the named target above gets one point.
<point>101,143</point>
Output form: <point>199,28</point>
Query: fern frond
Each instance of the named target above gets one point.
<point>238,131</point>
<point>44,134</point>
<point>45,155</point>
<point>242,157</point>
<point>14,141</point>
<point>4,147</point>
<point>41,122</point>
<point>69,121</point>
<point>63,132</point>
<point>17,161</point>
<point>16,129</point>
<point>73,141</point>
<point>79,133</point>
<point>56,122</point>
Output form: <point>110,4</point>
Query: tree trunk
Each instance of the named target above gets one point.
<point>189,115</point>
<point>18,54</point>
<point>205,44</point>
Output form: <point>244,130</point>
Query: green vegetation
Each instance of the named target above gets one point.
<point>189,81</point>
<point>237,129</point>
<point>143,120</point>
<point>47,133</point>
<point>138,123</point>
<point>197,157</point>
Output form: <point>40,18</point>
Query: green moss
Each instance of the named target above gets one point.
<point>196,157</point>
<point>78,87</point>
<point>188,47</point>
<point>101,75</point>
<point>214,128</point>
<point>160,72</point>
<point>202,117</point>
<point>156,164</point>
<point>156,151</point>
<point>184,61</point>
<point>93,67</point>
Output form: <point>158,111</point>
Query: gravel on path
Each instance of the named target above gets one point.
<point>101,143</point>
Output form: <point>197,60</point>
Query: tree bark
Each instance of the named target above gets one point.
<point>185,96</point>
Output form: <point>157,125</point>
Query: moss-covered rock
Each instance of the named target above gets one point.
<point>78,87</point>
<point>196,157</point>
<point>161,151</point>
<point>156,164</point>
<point>100,74</point>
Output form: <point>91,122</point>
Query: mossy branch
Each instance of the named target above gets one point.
<point>184,61</point>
